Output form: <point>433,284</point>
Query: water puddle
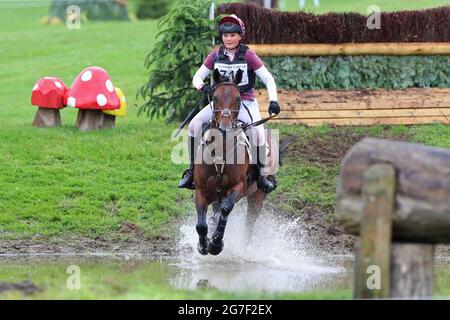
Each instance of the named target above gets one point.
<point>278,259</point>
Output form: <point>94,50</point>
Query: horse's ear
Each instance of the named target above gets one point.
<point>238,78</point>
<point>216,76</point>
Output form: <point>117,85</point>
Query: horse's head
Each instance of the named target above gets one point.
<point>226,101</point>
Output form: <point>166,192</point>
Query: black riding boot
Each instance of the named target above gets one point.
<point>187,180</point>
<point>263,182</point>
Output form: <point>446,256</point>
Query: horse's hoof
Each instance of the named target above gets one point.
<point>202,249</point>
<point>215,248</point>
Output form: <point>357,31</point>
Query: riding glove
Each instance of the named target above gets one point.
<point>274,107</point>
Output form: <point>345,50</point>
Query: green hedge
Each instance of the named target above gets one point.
<point>359,72</point>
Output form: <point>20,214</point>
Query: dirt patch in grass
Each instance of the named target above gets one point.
<point>323,231</point>
<point>78,245</point>
<point>327,149</point>
<point>26,287</point>
<point>324,150</point>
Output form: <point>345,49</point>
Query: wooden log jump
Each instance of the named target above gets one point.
<point>396,197</point>
<point>361,107</point>
<point>352,49</point>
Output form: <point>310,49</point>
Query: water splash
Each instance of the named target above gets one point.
<point>277,258</point>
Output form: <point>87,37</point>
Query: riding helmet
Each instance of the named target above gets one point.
<point>231,24</point>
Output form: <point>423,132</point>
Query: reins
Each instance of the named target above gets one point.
<point>237,132</point>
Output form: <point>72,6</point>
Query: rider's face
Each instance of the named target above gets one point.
<point>231,40</point>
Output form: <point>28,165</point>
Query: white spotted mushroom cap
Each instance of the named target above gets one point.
<point>48,92</point>
<point>93,89</point>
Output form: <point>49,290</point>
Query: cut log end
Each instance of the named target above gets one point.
<point>47,118</point>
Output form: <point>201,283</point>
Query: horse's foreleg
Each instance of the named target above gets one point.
<point>214,218</point>
<point>215,246</point>
<point>202,227</point>
<point>255,203</point>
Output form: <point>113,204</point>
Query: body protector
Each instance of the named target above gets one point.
<point>228,68</point>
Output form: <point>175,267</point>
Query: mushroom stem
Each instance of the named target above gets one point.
<point>47,118</point>
<point>109,121</point>
<point>88,119</point>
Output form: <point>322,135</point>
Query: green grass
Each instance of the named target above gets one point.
<point>301,182</point>
<point>59,181</point>
<point>62,182</point>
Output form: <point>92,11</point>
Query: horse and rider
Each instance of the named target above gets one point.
<point>233,112</point>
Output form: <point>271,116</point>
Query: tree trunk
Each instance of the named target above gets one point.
<point>47,118</point>
<point>90,119</point>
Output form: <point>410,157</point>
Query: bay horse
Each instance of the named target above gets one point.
<point>222,182</point>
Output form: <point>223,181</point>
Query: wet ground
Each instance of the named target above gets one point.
<point>54,275</point>
<point>278,260</point>
<point>303,253</point>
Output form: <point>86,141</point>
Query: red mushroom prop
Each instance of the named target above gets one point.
<point>92,92</point>
<point>48,94</point>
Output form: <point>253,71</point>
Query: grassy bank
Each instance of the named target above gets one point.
<point>62,182</point>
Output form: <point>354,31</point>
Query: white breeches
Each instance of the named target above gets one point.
<point>257,134</point>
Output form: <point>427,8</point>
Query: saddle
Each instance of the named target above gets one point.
<point>273,154</point>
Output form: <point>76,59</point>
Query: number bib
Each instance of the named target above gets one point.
<point>229,71</point>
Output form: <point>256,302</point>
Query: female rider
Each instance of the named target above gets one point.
<point>230,57</point>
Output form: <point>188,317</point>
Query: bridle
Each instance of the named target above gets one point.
<point>238,128</point>
<point>224,112</point>
<point>237,124</point>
